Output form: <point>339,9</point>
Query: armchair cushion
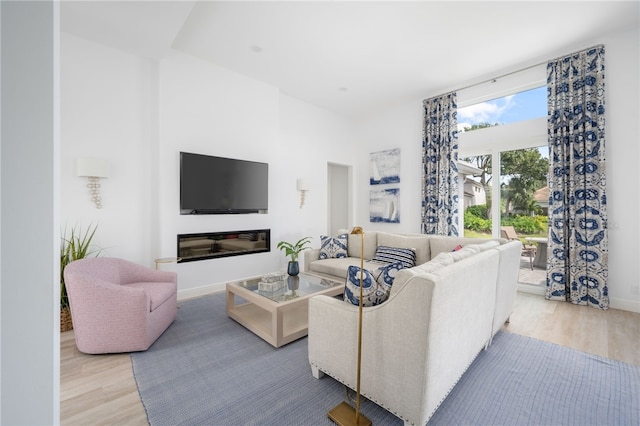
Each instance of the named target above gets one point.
<point>158,292</point>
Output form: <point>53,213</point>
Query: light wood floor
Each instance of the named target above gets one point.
<point>100,389</point>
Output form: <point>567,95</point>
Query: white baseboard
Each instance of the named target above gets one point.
<point>192,293</point>
<point>621,304</point>
<point>624,305</point>
<point>533,289</point>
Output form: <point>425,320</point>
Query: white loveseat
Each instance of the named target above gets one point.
<point>440,314</point>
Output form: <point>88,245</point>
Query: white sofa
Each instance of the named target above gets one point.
<point>440,314</point>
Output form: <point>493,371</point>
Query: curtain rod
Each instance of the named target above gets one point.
<point>493,80</point>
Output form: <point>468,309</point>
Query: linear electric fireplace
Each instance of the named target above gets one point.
<point>211,245</point>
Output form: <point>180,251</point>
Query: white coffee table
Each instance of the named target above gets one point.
<point>282,316</point>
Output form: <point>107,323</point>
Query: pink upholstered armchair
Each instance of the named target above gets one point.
<point>117,305</point>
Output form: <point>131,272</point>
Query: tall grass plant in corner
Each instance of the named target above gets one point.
<point>74,245</point>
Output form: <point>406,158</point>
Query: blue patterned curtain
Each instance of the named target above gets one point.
<point>577,265</point>
<point>439,166</point>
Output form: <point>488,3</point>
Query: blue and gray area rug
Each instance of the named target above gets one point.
<point>208,370</point>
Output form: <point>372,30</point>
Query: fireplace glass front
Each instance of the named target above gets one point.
<point>211,245</point>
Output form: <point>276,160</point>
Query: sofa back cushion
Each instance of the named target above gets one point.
<point>420,244</point>
<point>370,245</point>
<point>438,262</point>
<point>439,244</point>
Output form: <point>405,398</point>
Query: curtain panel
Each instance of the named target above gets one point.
<point>577,265</point>
<point>439,166</point>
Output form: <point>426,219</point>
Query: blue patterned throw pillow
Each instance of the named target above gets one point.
<point>386,254</point>
<point>352,286</point>
<point>376,285</point>
<point>388,273</point>
<point>331,247</point>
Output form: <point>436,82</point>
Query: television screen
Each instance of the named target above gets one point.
<point>217,185</point>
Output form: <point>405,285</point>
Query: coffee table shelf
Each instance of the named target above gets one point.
<point>279,317</point>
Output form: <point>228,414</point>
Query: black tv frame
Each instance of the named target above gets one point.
<point>209,211</point>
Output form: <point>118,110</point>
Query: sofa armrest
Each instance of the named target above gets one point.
<point>506,283</point>
<point>417,344</point>
<point>394,341</point>
<point>309,256</point>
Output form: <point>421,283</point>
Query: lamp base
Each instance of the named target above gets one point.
<point>345,415</point>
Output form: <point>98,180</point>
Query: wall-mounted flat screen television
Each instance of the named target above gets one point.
<point>218,185</point>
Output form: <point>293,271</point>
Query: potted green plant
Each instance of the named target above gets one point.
<point>76,245</point>
<point>293,251</point>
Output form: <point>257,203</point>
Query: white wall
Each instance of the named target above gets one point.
<point>401,127</point>
<point>208,110</point>
<point>622,56</point>
<point>107,105</point>
<point>313,138</point>
<point>140,114</point>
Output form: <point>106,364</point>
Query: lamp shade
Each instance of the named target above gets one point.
<point>93,167</point>
<point>356,230</point>
<point>302,184</point>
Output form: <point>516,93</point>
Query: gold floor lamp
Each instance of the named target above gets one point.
<point>344,414</point>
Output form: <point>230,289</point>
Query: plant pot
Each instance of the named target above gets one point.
<point>66,323</point>
<point>293,268</point>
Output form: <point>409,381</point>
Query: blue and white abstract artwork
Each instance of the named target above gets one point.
<point>384,167</point>
<point>384,205</point>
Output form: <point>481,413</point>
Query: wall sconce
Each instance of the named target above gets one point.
<point>302,185</point>
<point>93,169</point>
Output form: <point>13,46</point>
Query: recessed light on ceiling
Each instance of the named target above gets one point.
<point>256,49</point>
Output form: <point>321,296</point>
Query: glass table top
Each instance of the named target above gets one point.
<point>283,287</point>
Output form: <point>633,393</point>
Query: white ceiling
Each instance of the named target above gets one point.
<point>353,57</point>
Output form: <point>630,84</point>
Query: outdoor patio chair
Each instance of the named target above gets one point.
<point>509,232</point>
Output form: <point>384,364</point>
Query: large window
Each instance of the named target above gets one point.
<point>503,146</point>
<point>505,110</point>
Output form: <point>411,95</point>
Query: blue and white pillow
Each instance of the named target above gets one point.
<point>352,287</point>
<point>387,254</point>
<point>331,247</point>
<point>376,285</point>
<point>388,273</point>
